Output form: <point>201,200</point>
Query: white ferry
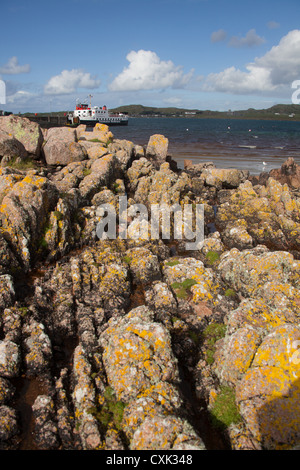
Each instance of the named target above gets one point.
<point>86,114</point>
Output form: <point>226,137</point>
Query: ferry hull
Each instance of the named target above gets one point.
<point>103,121</point>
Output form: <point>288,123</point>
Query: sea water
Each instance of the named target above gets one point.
<point>254,145</point>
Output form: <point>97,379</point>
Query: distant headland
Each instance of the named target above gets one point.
<point>277,112</point>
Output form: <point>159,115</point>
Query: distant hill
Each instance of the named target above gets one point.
<point>276,112</point>
<point>139,110</point>
<point>280,112</point>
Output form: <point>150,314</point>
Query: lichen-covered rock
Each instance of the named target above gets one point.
<point>239,352</point>
<point>113,440</point>
<point>241,439</point>
<point>88,222</point>
<point>139,168</point>
<point>10,359</point>
<point>137,354</point>
<point>236,235</point>
<point>12,323</point>
<point>8,423</point>
<point>8,261</point>
<point>45,427</point>
<point>94,150</point>
<point>157,149</point>
<point>38,350</point>
<point>82,293</point>
<point>7,390</point>
<point>64,416</point>
<point>259,355</point>
<point>163,193</point>
<point>54,296</point>
<point>24,211</point>
<point>10,148</point>
<point>250,271</point>
<point>191,281</point>
<point>100,133</point>
<point>106,196</point>
<point>161,400</point>
<point>257,314</point>
<point>224,178</point>
<point>262,366</point>
<point>84,402</point>
<point>61,147</point>
<point>162,186</point>
<point>166,432</point>
<point>69,177</point>
<point>143,264</point>
<point>212,243</point>
<point>198,168</point>
<point>142,370</point>
<point>166,187</point>
<point>25,131</point>
<point>280,349</point>
<point>114,286</point>
<point>101,174</point>
<point>59,238</point>
<point>8,177</point>
<point>7,291</point>
<point>124,151</point>
<point>268,399</point>
<point>161,300</point>
<point>268,215</point>
<point>139,151</point>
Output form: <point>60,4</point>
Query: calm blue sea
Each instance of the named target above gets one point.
<point>253,145</point>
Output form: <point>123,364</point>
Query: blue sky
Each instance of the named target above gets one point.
<point>204,54</point>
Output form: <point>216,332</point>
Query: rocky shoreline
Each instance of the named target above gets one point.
<point>138,344</point>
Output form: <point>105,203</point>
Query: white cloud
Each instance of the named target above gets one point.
<point>251,39</point>
<point>20,96</point>
<point>218,36</point>
<point>233,80</point>
<point>68,81</point>
<point>13,68</point>
<point>273,72</point>
<point>283,60</point>
<point>147,72</point>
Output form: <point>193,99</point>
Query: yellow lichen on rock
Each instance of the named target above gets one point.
<point>137,354</point>
<point>268,399</point>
